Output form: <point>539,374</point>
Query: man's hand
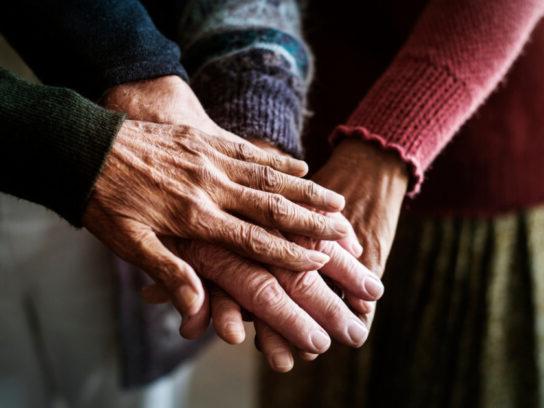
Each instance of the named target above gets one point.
<point>179,181</point>
<point>165,99</point>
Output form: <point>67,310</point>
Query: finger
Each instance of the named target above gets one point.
<point>296,189</point>
<point>307,356</point>
<point>176,276</point>
<point>359,306</point>
<point>242,150</point>
<point>350,274</point>
<point>350,243</point>
<point>275,348</point>
<point>311,292</point>
<point>193,327</point>
<point>155,294</point>
<point>256,290</point>
<point>275,211</point>
<point>256,243</point>
<point>226,317</point>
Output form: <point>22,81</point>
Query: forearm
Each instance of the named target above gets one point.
<point>53,142</point>
<point>456,55</point>
<point>250,68</point>
<point>89,45</point>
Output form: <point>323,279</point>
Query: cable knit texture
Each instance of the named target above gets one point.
<point>455,56</point>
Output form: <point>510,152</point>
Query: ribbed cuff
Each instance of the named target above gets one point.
<point>55,142</point>
<point>413,110</point>
<point>253,96</point>
<point>85,133</point>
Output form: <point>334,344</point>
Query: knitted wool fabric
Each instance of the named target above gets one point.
<point>249,67</point>
<point>53,144</point>
<point>89,45</point>
<point>455,56</point>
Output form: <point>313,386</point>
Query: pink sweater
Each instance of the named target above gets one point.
<point>453,57</point>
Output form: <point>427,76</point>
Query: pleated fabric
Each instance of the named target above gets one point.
<point>461,324</point>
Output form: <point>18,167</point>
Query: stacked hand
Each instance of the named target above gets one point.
<point>232,203</point>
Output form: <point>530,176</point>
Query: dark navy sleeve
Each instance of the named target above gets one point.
<point>89,45</point>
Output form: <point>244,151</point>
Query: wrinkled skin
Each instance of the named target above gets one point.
<point>373,183</point>
<point>361,286</point>
<point>187,180</point>
<point>299,307</point>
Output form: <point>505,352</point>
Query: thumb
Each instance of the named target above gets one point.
<point>175,276</point>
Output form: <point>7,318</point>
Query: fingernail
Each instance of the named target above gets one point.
<point>318,258</point>
<point>336,200</point>
<point>320,341</point>
<point>373,286</point>
<point>357,333</point>
<point>282,361</point>
<point>356,249</point>
<point>188,298</point>
<point>234,332</point>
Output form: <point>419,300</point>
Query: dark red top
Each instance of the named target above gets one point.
<point>422,70</point>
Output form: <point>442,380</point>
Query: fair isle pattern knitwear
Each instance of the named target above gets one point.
<point>456,55</point>
<point>249,66</point>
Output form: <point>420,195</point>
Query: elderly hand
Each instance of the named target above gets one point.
<point>374,183</point>
<point>179,181</point>
<point>299,307</point>
<point>279,323</point>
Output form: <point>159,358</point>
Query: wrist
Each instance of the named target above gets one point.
<point>366,158</point>
<point>167,80</point>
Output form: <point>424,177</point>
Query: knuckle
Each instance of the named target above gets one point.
<point>254,239</point>
<point>270,179</point>
<point>278,209</point>
<point>276,161</point>
<point>268,293</point>
<point>310,191</point>
<point>169,273</point>
<point>319,223</point>
<point>333,310</point>
<point>244,152</point>
<point>304,283</point>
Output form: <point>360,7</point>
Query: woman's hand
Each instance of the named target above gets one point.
<point>374,183</point>
<point>298,307</point>
<point>177,180</point>
<point>310,292</point>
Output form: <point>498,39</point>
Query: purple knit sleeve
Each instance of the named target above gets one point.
<point>251,74</point>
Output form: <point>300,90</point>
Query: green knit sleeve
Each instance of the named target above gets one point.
<point>53,143</point>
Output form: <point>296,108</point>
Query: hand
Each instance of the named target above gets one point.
<point>166,99</point>
<point>164,180</point>
<point>308,290</point>
<point>374,183</point>
<point>300,307</point>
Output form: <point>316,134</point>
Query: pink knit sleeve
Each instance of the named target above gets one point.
<point>456,55</point>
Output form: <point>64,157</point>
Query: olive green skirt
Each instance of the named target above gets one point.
<point>461,324</point>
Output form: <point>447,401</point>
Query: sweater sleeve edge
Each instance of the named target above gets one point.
<point>414,166</point>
